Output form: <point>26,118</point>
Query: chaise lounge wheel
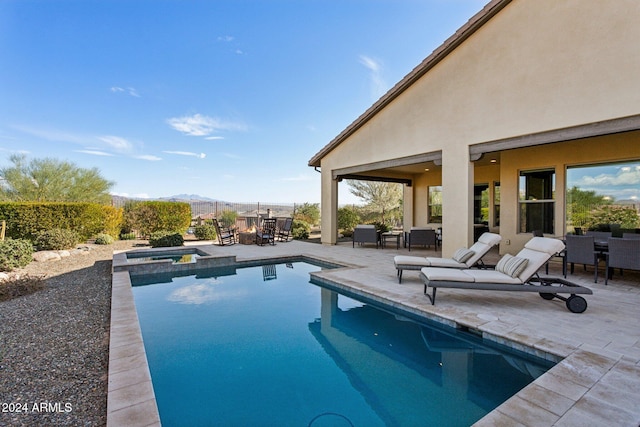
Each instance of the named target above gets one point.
<point>576,304</point>
<point>547,296</point>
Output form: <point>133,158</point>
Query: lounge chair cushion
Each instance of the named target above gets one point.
<point>485,242</point>
<point>445,262</point>
<point>538,250</point>
<point>511,265</point>
<point>463,254</point>
<point>412,262</point>
<point>447,274</point>
<point>435,274</point>
<point>404,260</point>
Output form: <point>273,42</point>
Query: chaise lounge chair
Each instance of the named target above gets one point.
<point>518,274</point>
<point>462,258</point>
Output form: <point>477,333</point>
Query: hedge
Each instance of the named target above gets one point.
<point>147,217</point>
<point>25,220</point>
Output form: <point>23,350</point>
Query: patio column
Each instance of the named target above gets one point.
<point>407,207</point>
<point>328,208</point>
<point>457,198</point>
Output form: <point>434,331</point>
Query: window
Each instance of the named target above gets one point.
<point>603,197</point>
<point>537,204</point>
<point>481,204</point>
<point>496,204</point>
<point>435,204</point>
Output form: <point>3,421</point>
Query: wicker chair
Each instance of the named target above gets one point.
<point>622,254</point>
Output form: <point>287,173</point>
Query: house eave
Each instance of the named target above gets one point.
<point>462,34</point>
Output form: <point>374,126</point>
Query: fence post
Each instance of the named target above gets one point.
<point>4,227</point>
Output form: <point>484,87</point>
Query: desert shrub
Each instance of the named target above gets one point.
<point>15,253</point>
<point>128,236</point>
<point>147,217</point>
<point>204,232</point>
<point>348,218</point>
<point>382,227</point>
<point>300,229</point>
<point>308,212</point>
<point>163,239</point>
<point>56,239</point>
<point>228,218</point>
<point>113,220</point>
<point>23,285</point>
<point>104,239</point>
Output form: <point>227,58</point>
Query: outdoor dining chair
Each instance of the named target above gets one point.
<point>580,250</point>
<point>422,237</point>
<point>623,254</point>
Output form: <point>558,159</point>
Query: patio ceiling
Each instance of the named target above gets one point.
<point>402,171</point>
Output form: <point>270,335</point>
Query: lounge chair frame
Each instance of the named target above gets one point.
<point>548,288</point>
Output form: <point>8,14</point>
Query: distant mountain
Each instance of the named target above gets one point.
<point>189,197</point>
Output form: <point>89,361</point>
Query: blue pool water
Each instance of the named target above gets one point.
<point>261,346</point>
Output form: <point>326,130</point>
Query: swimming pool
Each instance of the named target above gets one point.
<point>262,346</point>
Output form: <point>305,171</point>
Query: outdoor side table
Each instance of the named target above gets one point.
<point>390,235</point>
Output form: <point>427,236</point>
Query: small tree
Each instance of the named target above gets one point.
<point>51,180</point>
<point>381,197</point>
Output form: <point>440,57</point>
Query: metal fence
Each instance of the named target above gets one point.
<point>209,209</point>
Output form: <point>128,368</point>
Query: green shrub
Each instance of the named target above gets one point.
<point>228,218</point>
<point>348,218</point>
<point>15,253</point>
<point>26,219</point>
<point>147,217</point>
<point>163,239</point>
<point>104,239</point>
<point>300,229</point>
<point>56,239</point>
<point>128,236</point>
<point>204,232</point>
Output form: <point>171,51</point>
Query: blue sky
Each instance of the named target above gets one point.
<point>226,99</point>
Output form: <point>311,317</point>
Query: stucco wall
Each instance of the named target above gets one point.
<point>612,148</point>
<point>536,66</point>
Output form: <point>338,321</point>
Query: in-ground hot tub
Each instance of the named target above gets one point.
<point>164,260</point>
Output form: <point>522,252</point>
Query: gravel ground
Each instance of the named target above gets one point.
<point>54,344</point>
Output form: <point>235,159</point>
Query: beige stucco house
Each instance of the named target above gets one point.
<point>522,92</point>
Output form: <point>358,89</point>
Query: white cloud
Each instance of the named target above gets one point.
<point>116,143</point>
<point>134,196</point>
<point>187,153</point>
<point>203,293</point>
<point>625,176</point>
<point>130,90</point>
<point>148,157</point>
<point>214,138</point>
<point>226,39</point>
<point>95,153</point>
<point>199,125</point>
<point>378,86</point>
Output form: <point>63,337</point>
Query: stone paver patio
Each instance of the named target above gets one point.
<point>597,381</point>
